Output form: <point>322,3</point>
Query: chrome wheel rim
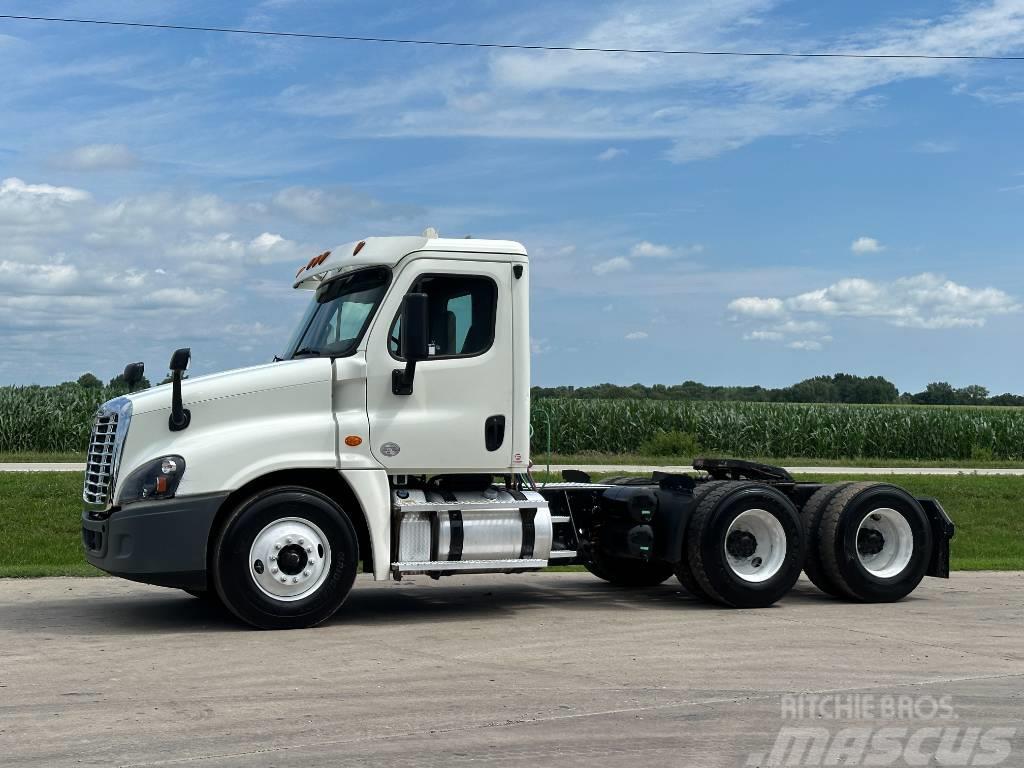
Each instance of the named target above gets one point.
<point>755,546</point>
<point>885,543</point>
<point>290,559</point>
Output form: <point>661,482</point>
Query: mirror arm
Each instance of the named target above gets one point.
<point>402,378</point>
<point>180,416</point>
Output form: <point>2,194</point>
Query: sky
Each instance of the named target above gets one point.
<point>724,219</point>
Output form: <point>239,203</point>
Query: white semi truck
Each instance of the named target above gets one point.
<point>394,438</point>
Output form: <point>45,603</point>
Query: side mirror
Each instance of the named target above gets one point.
<point>180,360</point>
<point>180,416</point>
<point>415,327</point>
<point>133,374</point>
<point>413,342</point>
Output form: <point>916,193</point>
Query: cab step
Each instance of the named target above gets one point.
<point>454,566</point>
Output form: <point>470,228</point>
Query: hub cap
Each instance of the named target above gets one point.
<point>755,545</point>
<point>885,543</point>
<point>290,559</point>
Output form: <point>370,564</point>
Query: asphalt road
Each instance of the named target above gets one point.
<point>637,468</point>
<point>529,670</point>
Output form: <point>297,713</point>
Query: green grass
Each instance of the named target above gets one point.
<point>41,524</point>
<point>40,520</point>
<point>31,457</point>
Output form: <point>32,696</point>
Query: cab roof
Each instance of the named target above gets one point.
<point>388,251</point>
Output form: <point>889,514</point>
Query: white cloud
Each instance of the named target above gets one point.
<point>636,335</point>
<point>806,345</point>
<point>925,301</point>
<point>29,206</point>
<point>866,245</point>
<point>763,336</point>
<point>645,249</point>
<point>703,108</point>
<point>14,188</point>
<point>615,264</point>
<point>935,147</point>
<point>610,154</point>
<point>754,306</point>
<point>333,205</point>
<point>99,157</point>
<point>539,346</point>
<point>152,270</point>
<point>801,327</point>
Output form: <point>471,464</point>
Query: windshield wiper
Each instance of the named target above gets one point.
<point>306,352</point>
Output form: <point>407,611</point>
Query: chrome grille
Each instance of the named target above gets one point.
<point>105,443</point>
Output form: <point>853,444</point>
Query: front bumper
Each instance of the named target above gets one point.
<point>155,542</point>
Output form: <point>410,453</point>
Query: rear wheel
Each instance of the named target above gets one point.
<point>285,558</point>
<point>875,541</point>
<point>810,516</point>
<point>683,569</point>
<point>745,544</point>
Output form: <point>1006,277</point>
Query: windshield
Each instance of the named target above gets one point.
<point>340,314</point>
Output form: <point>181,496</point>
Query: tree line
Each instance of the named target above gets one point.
<point>838,388</point>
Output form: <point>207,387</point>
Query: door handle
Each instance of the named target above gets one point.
<point>494,432</point>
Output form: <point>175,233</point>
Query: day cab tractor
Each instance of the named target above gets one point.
<point>393,438</point>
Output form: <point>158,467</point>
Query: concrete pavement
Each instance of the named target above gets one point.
<point>528,670</point>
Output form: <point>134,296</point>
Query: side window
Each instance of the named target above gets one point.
<point>461,310</point>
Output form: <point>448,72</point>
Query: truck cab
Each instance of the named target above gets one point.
<point>393,438</point>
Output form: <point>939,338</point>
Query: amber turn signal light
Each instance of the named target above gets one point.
<point>353,440</point>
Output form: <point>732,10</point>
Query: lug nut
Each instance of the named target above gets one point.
<point>302,542</point>
<point>305,573</point>
<point>289,539</point>
<point>295,579</point>
<point>273,558</point>
<point>273,569</point>
<point>309,549</point>
<point>277,546</point>
<point>284,579</point>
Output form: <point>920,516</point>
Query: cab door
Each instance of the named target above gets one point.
<point>458,416</point>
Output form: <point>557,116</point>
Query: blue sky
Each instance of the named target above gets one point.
<point>734,221</point>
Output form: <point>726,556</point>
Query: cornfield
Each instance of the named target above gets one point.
<point>58,420</point>
<point>783,429</point>
<point>48,419</point>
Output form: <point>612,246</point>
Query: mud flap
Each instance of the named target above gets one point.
<point>942,531</point>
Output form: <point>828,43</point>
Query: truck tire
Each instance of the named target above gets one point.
<point>810,516</point>
<point>875,542</point>
<point>285,558</point>
<point>627,572</point>
<point>745,544</point>
<point>684,572</point>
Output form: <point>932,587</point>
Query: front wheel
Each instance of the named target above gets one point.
<point>285,558</point>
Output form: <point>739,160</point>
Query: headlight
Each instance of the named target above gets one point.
<point>157,479</point>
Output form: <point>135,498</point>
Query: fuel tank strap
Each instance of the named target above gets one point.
<point>529,532</point>
<point>457,535</point>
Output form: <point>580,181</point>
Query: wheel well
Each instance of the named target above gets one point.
<point>327,481</point>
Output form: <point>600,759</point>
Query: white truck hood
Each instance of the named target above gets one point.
<point>240,381</point>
